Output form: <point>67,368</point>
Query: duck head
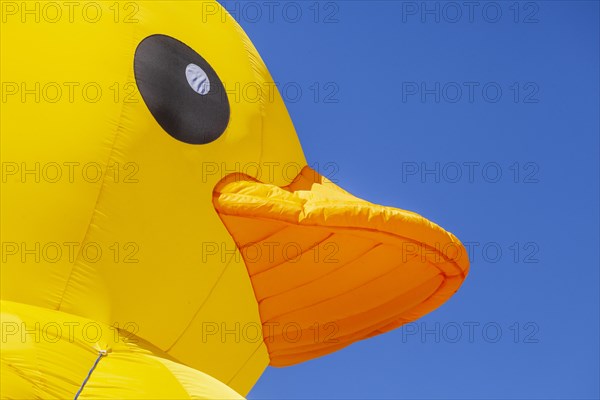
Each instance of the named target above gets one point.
<point>185,211</point>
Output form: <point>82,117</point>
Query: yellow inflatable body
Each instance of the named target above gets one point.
<point>162,236</point>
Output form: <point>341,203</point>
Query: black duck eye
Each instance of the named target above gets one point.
<point>181,90</point>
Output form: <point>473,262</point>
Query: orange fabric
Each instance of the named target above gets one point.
<point>329,269</point>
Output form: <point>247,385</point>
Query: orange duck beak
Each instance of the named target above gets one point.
<point>328,268</point>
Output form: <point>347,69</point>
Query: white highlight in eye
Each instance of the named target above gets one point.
<point>197,79</point>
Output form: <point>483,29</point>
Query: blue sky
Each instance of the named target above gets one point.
<point>484,120</point>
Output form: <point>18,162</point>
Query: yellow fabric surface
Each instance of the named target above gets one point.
<point>48,354</point>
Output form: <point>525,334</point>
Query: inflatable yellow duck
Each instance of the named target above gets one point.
<point>162,235</point>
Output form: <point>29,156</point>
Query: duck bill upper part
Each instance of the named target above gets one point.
<point>328,268</point>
